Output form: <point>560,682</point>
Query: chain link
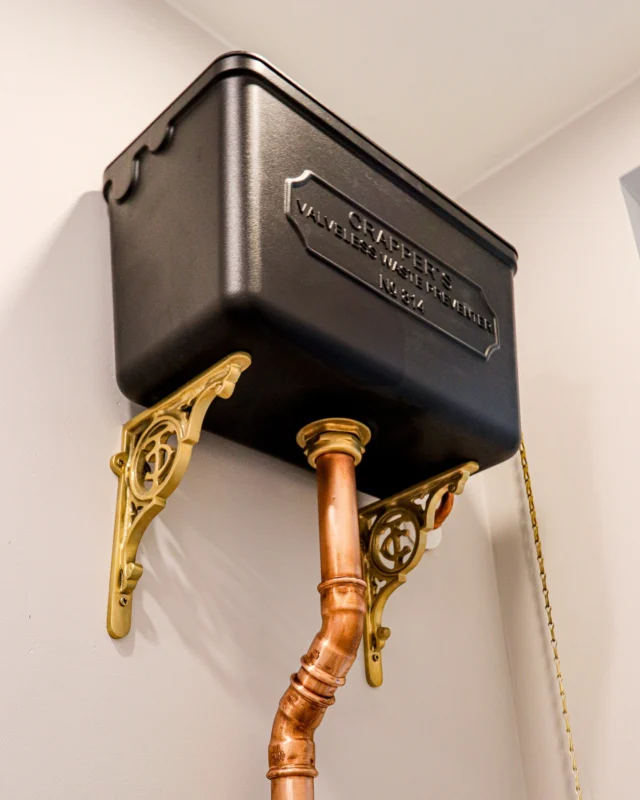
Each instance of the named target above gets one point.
<point>550,622</point>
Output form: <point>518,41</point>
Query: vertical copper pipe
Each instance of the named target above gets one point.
<point>334,447</point>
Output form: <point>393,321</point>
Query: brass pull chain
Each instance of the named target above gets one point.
<point>550,622</point>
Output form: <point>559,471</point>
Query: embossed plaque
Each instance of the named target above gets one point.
<point>336,229</point>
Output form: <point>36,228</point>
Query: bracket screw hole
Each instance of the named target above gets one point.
<point>124,601</point>
<point>375,657</point>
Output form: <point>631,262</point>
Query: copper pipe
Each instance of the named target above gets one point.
<point>334,447</point>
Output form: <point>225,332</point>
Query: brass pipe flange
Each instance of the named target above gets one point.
<point>334,435</point>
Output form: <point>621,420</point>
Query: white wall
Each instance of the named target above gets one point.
<point>182,708</point>
<point>578,294</point>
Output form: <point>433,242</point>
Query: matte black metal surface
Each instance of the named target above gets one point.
<point>249,217</point>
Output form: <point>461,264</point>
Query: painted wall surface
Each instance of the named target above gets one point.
<point>578,294</point>
<point>182,708</point>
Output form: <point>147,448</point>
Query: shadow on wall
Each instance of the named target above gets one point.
<point>567,504</point>
<point>61,409</point>
<point>227,559</point>
<point>630,186</point>
<point>61,404</point>
<point>233,569</point>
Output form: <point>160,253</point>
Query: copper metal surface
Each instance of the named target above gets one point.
<point>342,590</point>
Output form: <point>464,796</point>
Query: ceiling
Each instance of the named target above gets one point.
<point>455,88</point>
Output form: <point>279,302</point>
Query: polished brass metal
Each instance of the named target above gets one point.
<point>156,450</point>
<point>526,477</point>
<point>334,446</point>
<point>336,435</point>
<point>394,538</point>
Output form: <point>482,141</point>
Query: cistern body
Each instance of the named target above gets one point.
<point>249,217</point>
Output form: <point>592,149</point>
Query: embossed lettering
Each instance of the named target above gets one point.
<point>389,262</point>
<point>420,282</point>
<point>388,286</point>
<point>369,229</point>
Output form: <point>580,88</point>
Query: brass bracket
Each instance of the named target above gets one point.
<point>394,538</point>
<point>155,454</point>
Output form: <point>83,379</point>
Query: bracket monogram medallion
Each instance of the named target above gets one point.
<point>155,454</point>
<point>394,538</point>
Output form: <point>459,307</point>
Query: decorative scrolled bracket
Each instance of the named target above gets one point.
<point>394,538</point>
<point>155,454</point>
